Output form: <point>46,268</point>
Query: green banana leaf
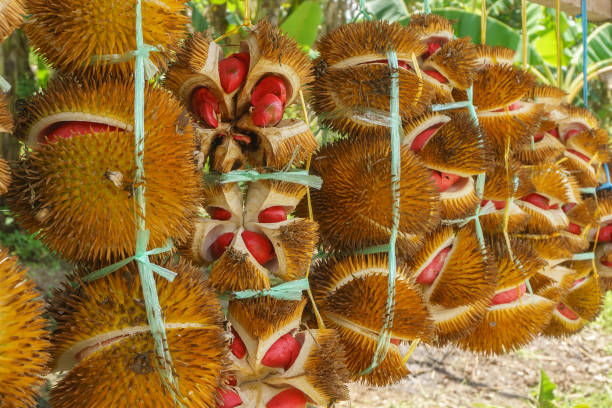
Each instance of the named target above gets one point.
<point>303,23</point>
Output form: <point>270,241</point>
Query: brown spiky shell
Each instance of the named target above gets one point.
<point>509,326</point>
<point>551,181</point>
<point>197,66</point>
<point>553,282</point>
<point>456,61</point>
<point>6,120</point>
<point>502,184</point>
<point>603,253</point>
<point>547,150</point>
<point>355,100</point>
<point>78,191</point>
<point>353,208</point>
<point>97,36</point>
<point>459,296</point>
<point>557,247</point>
<point>237,269</point>
<point>5,176</point>
<point>103,340</point>
<point>431,25</point>
<point>367,41</point>
<point>351,294</point>
<point>576,117</point>
<point>583,298</point>
<point>548,94</point>
<point>318,371</point>
<point>594,145</point>
<point>456,147</point>
<point>23,339</point>
<point>12,14</point>
<point>585,213</point>
<point>494,55</point>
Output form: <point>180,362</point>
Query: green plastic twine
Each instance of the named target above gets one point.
<point>293,176</point>
<point>363,12</point>
<point>149,289</point>
<point>384,337</point>
<point>427,7</point>
<point>4,85</point>
<point>291,290</point>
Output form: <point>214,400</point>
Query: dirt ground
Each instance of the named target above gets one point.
<point>451,378</point>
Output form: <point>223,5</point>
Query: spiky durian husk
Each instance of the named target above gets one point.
<point>548,94</point>
<point>511,272</point>
<point>368,40</point>
<point>594,144</point>
<point>355,100</point>
<point>352,293</point>
<point>5,176</point>
<point>121,371</point>
<point>12,13</point>
<point>91,29</point>
<point>237,270</point>
<point>23,339</point>
<point>548,150</point>
<point>63,188</point>
<point>457,61</point>
<point>553,282</point>
<point>543,221</point>
<point>353,208</point>
<point>457,146</point>
<point>427,25</point>
<point>584,214</point>
<point>262,317</point>
<point>493,222</point>
<point>460,204</point>
<point>6,120</point>
<point>276,146</point>
<point>493,55</point>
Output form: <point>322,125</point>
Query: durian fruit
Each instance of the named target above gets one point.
<point>582,217</point>
<point>23,338</point>
<point>6,120</point>
<point>354,206</point>
<point>603,259</point>
<point>274,361</point>
<point>104,343</point>
<point>451,146</point>
<point>250,244</point>
<point>508,116</point>
<point>97,36</point>
<point>76,185</point>
<point>549,95</point>
<point>494,55</point>
<point>456,280</point>
<point>586,152</point>
<point>514,316</point>
<point>11,16</point>
<point>553,282</point>
<point>351,295</point>
<point>579,305</point>
<point>500,186</point>
<point>552,187</point>
<point>557,247</point>
<point>448,62</point>
<point>227,134</point>
<point>352,90</point>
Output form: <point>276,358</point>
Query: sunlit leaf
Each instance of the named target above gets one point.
<point>303,23</point>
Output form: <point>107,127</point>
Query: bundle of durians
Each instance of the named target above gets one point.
<point>215,112</point>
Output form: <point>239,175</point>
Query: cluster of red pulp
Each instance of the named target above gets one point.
<point>269,99</point>
<point>257,244</point>
<point>539,201</point>
<point>510,295</point>
<point>433,269</point>
<point>282,354</point>
<point>68,129</point>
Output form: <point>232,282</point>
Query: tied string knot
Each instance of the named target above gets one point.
<point>291,290</point>
<point>141,256</point>
<point>292,176</point>
<point>143,51</point>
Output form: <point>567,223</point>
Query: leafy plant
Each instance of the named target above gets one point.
<point>546,394</point>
